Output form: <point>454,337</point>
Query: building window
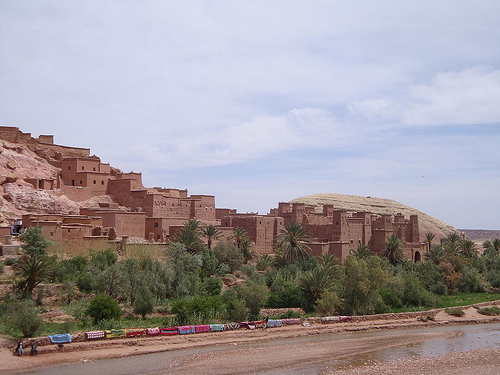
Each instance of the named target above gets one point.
<point>94,169</point>
<point>69,167</point>
<point>102,182</point>
<point>95,182</point>
<point>156,225</point>
<point>81,182</point>
<point>83,167</point>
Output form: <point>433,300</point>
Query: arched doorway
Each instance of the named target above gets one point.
<point>418,257</point>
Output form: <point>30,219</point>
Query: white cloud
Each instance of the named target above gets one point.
<point>467,97</point>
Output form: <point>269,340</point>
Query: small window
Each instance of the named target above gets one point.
<point>81,182</point>
<point>156,225</point>
<point>95,182</point>
<point>51,234</point>
<point>69,167</point>
<point>94,169</point>
<point>102,182</point>
<point>83,167</point>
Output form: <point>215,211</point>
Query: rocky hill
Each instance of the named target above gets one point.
<point>352,203</point>
<point>18,162</point>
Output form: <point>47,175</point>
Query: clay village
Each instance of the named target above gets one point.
<point>132,212</point>
<point>95,265</point>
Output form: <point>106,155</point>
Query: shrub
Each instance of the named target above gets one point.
<point>290,314</point>
<point>455,311</point>
<point>237,310</point>
<point>10,261</point>
<point>84,282</point>
<point>255,296</point>
<point>25,319</point>
<point>213,286</point>
<point>1,268</point>
<point>493,310</point>
<point>103,307</point>
<point>328,303</point>
<point>198,309</point>
<point>143,303</point>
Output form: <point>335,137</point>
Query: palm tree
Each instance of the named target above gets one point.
<point>239,236</point>
<point>33,270</point>
<point>468,249</point>
<point>491,247</point>
<point>315,282</point>
<point>328,260</point>
<point>190,236</point>
<point>361,252</point>
<point>293,241</point>
<point>393,250</point>
<point>211,233</point>
<point>428,238</point>
<point>436,254</point>
<point>451,243</point>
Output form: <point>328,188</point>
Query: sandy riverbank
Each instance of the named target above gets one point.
<point>116,348</point>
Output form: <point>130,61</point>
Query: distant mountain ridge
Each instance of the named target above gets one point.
<point>380,206</point>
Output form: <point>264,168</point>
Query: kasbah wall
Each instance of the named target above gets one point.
<point>155,214</point>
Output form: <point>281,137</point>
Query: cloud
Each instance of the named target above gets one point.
<point>257,138</point>
<point>467,97</point>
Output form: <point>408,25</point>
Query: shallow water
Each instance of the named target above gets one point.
<point>468,337</point>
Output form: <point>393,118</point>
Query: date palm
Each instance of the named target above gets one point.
<point>468,249</point>
<point>428,238</point>
<point>211,233</point>
<point>393,249</point>
<point>190,236</point>
<point>362,251</point>
<point>33,271</point>
<point>292,241</point>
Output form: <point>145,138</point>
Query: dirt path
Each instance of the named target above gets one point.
<point>253,359</point>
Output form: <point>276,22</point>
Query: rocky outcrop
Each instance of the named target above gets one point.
<point>380,206</point>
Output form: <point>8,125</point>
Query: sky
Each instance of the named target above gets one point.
<point>258,102</point>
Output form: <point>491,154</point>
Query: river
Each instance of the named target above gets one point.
<point>308,355</point>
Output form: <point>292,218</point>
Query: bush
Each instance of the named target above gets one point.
<point>10,261</point>
<point>255,296</point>
<point>103,307</point>
<point>237,310</point>
<point>213,286</point>
<point>455,312</point>
<point>328,303</point>
<point>1,268</point>
<point>143,303</point>
<point>493,310</point>
<point>84,282</point>
<point>471,281</point>
<point>198,309</point>
<point>25,319</point>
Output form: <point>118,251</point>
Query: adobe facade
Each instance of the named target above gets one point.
<point>156,214</point>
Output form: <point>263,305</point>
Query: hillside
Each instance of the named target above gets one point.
<point>352,203</point>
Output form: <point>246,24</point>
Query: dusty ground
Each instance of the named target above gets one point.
<point>256,358</point>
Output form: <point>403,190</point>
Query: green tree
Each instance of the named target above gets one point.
<point>211,233</point>
<point>363,278</point>
<point>292,241</point>
<point>316,282</point>
<point>190,236</point>
<point>34,242</point>
<point>491,247</point>
<point>103,307</point>
<point>436,254</point>
<point>143,303</point>
<point>33,270</point>
<point>25,318</point>
<point>362,251</point>
<point>393,250</point>
<point>468,249</point>
<point>255,296</point>
<point>451,243</point>
<point>428,239</point>
<point>184,271</point>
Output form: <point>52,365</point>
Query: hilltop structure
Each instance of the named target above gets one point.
<point>156,214</point>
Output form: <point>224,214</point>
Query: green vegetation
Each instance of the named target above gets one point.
<point>493,310</point>
<point>455,311</point>
<point>191,282</point>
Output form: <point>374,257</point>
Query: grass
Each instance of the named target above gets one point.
<point>455,311</point>
<point>493,310</point>
<point>466,299</point>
